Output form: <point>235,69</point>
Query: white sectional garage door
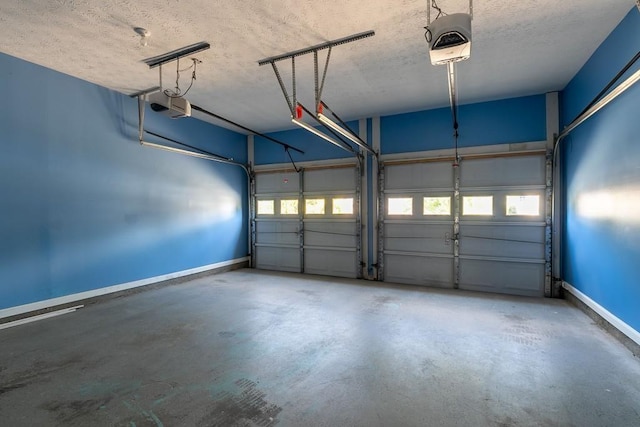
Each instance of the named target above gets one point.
<point>277,230</point>
<point>308,221</point>
<point>503,251</point>
<point>490,235</point>
<point>418,248</point>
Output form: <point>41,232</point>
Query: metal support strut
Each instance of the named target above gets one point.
<point>296,108</point>
<point>252,218</point>
<point>381,215</point>
<point>456,223</point>
<point>358,201</point>
<point>301,217</point>
<point>453,101</point>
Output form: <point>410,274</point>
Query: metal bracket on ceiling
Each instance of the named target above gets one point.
<point>312,49</point>
<point>321,46</point>
<point>175,55</point>
<point>293,100</point>
<point>296,108</point>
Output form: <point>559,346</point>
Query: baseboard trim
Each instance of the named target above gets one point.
<point>605,314</point>
<point>67,299</point>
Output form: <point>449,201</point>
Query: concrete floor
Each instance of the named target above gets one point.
<point>248,348</point>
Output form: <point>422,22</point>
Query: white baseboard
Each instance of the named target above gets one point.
<point>40,305</point>
<point>604,313</point>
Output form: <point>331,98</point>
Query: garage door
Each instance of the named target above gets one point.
<point>309,221</point>
<point>418,246</point>
<point>277,224</point>
<point>490,235</point>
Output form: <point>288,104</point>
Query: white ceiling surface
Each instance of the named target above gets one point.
<point>519,47</point>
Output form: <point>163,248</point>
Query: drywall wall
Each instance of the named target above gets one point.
<point>602,177</point>
<point>497,122</point>
<point>314,147</point>
<point>84,206</point>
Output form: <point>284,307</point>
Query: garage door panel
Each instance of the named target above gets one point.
<point>419,176</point>
<point>340,235</point>
<point>432,238</point>
<point>330,180</point>
<point>419,270</point>
<point>501,233</point>
<point>330,262</point>
<point>503,171</point>
<point>500,209</point>
<point>330,235</point>
<point>278,258</point>
<point>502,241</point>
<point>330,239</point>
<point>288,182</point>
<point>502,277</point>
<point>278,232</point>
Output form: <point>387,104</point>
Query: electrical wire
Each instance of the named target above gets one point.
<point>177,93</point>
<point>190,66</point>
<point>414,237</point>
<point>466,237</point>
<point>306,230</point>
<point>278,232</point>
<point>500,240</point>
<point>178,76</point>
<point>434,5</point>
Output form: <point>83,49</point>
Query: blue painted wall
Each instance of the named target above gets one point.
<point>601,253</point>
<point>84,206</point>
<point>504,121</point>
<point>314,147</point>
<point>496,122</point>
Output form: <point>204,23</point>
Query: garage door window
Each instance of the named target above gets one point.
<point>266,207</point>
<point>520,205</point>
<point>400,205</point>
<point>436,206</point>
<point>342,206</point>
<point>289,207</point>
<point>314,207</point>
<point>477,205</point>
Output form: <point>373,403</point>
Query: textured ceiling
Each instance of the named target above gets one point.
<point>520,47</point>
